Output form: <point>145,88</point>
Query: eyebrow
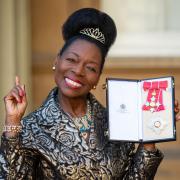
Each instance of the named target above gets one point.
<point>75,54</point>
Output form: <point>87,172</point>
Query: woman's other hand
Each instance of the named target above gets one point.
<point>177,109</point>
<point>15,103</point>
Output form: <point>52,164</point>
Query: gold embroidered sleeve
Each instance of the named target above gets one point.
<point>16,162</point>
<point>143,164</point>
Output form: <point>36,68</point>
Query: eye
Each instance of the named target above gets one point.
<point>71,60</point>
<point>92,69</point>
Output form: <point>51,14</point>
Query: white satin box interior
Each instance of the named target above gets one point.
<point>141,110</point>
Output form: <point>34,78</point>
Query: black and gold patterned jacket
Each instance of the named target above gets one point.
<point>51,147</point>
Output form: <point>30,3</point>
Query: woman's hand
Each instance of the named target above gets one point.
<point>151,147</point>
<point>177,109</point>
<point>15,104</point>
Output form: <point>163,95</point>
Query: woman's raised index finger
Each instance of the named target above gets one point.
<point>17,81</point>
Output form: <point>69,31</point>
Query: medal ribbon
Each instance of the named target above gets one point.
<point>154,101</point>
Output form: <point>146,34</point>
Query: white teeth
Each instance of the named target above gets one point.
<point>69,81</point>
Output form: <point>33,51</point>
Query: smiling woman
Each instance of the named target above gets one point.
<point>78,69</point>
<point>66,137</point>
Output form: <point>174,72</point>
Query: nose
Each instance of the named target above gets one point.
<point>79,69</point>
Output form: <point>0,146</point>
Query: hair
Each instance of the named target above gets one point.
<point>89,18</point>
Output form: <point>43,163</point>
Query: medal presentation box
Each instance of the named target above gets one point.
<point>141,110</point>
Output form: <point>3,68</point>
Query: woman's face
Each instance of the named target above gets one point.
<point>78,68</point>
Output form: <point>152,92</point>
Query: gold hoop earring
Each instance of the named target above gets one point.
<point>53,68</point>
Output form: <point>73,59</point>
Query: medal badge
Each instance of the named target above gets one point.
<point>157,124</point>
<point>154,101</point>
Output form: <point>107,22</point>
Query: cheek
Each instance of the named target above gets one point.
<point>93,80</point>
<point>60,69</point>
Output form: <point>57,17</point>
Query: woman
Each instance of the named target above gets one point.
<point>65,138</point>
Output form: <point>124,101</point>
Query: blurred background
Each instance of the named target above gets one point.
<point>148,45</point>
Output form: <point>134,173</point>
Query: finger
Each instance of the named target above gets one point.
<point>24,99</point>
<point>17,81</point>
<point>176,109</point>
<point>23,88</point>
<point>176,103</point>
<point>16,96</point>
<point>12,97</point>
<point>177,117</point>
<point>20,90</point>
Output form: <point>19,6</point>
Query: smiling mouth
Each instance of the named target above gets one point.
<point>72,83</point>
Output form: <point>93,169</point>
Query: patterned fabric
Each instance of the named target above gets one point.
<point>51,147</point>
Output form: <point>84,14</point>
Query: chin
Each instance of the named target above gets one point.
<point>73,93</point>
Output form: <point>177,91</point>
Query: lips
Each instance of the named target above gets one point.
<point>72,84</point>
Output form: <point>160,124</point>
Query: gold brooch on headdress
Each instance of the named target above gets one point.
<point>94,33</point>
